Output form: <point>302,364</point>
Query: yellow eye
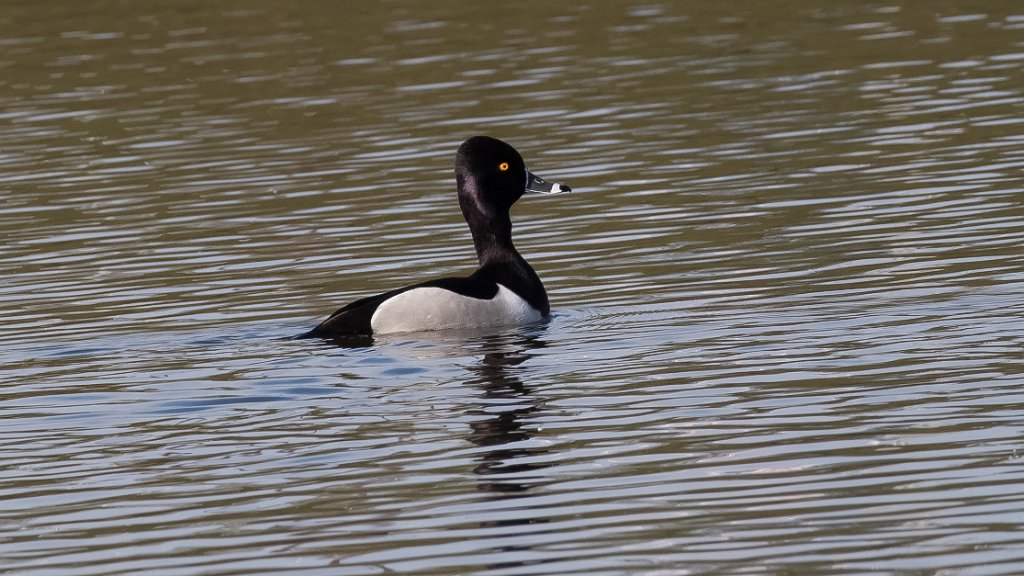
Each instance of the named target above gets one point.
<point>503,166</point>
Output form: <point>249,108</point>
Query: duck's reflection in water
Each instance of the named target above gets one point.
<point>508,468</point>
<point>509,464</point>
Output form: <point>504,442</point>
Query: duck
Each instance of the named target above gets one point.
<point>490,177</point>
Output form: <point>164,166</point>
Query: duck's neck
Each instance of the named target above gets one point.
<point>491,228</point>
<point>492,238</point>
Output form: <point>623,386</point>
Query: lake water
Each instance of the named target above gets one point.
<point>787,290</point>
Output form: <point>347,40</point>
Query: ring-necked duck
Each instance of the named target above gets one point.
<point>504,291</point>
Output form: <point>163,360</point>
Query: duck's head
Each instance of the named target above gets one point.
<point>491,176</point>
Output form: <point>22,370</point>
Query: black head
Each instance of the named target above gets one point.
<point>491,175</point>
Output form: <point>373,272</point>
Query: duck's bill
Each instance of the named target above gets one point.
<point>539,185</point>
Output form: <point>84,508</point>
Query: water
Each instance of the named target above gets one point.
<point>787,320</point>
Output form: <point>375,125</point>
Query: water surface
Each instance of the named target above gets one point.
<point>787,318</point>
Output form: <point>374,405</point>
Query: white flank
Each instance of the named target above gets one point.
<point>433,308</point>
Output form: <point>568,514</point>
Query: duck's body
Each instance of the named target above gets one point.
<point>504,291</point>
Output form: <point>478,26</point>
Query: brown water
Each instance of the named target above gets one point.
<point>788,290</point>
